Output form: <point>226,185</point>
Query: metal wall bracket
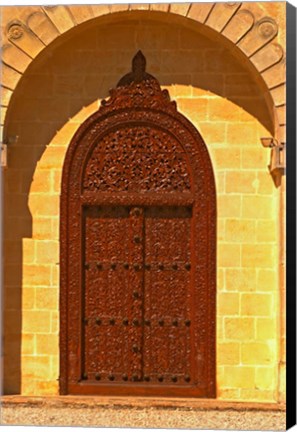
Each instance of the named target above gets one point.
<point>3,155</point>
<point>277,164</point>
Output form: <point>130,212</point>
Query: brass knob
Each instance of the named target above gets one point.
<point>137,212</point>
<point>136,294</point>
<point>188,266</point>
<point>112,321</point>
<point>113,266</point>
<point>136,267</point>
<point>85,375</point>
<point>97,377</point>
<point>147,322</point>
<point>86,321</point>
<point>174,378</point>
<point>147,266</point>
<point>174,266</point>
<point>160,378</point>
<point>99,265</point>
<point>135,322</point>
<point>87,266</point>
<point>137,239</point>
<point>175,322</point>
<point>188,323</point>
<point>146,378</point>
<point>111,377</point>
<point>161,266</point>
<point>161,322</point>
<point>98,321</point>
<point>187,378</point>
<point>126,266</point>
<point>125,377</point>
<point>135,348</point>
<point>125,321</point>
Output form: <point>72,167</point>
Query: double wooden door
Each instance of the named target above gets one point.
<point>137,315</point>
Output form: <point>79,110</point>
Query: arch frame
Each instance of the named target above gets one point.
<point>247,27</point>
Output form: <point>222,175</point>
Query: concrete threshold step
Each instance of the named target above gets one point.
<point>138,403</point>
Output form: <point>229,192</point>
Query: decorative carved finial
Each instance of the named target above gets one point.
<point>138,66</point>
<point>138,73</point>
<point>138,89</point>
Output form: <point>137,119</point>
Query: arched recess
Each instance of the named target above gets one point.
<point>138,249</point>
<point>246,27</point>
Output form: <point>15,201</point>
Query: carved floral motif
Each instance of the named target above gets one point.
<point>15,31</point>
<point>137,159</point>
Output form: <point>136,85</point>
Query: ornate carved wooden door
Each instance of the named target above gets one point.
<point>138,250</point>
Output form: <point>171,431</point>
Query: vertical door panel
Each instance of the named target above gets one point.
<point>167,308</point>
<point>108,336</point>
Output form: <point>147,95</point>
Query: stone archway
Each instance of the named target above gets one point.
<point>245,26</point>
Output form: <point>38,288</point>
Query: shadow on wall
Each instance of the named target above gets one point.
<point>66,78</point>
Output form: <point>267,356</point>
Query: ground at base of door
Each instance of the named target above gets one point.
<point>140,413</point>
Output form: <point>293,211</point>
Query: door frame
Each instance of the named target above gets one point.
<point>124,109</point>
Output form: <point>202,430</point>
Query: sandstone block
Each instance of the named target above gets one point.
<point>257,207</point>
<point>200,11</point>
<point>256,354</point>
<point>43,27</point>
<point>35,367</point>
<point>259,36</point>
<point>28,344</point>
<point>223,158</point>
<point>239,377</point>
<point>43,205</point>
<point>47,344</point>
<point>60,17</point>
<point>239,329</point>
<point>228,353</point>
<point>36,275</point>
<point>257,395</point>
<point>239,25</point>
<point>16,58</point>
<point>267,56</point>
<point>266,231</point>
<point>228,304</point>
<point>42,228</point>
<point>221,14</point>
<point>256,304</point>
<point>240,182</point>
<point>240,230</point>
<point>180,8</point>
<point>36,322</point>
<point>162,7</point>
<point>229,255</point>
<point>265,328</point>
<point>241,280</point>
<point>266,280</point>
<point>47,252</point>
<point>47,299</point>
<point>229,205</point>
<point>276,75</point>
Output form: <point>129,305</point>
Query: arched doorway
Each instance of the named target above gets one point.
<point>138,249</point>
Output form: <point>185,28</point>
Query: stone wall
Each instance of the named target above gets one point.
<point>219,95</point>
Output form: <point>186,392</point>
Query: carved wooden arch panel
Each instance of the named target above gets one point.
<point>138,275</point>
